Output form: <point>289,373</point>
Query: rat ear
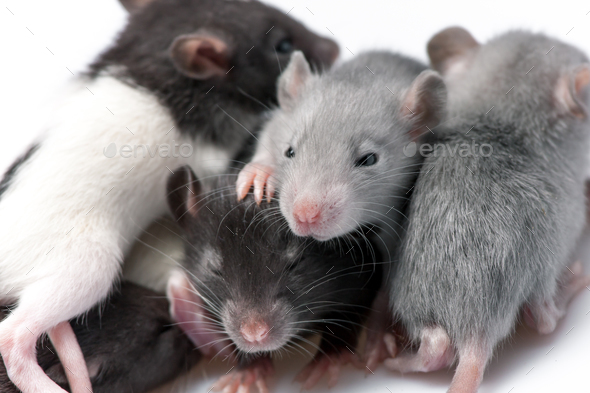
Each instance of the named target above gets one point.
<point>571,92</point>
<point>293,79</point>
<point>200,56</point>
<point>134,5</point>
<point>183,194</point>
<point>425,103</point>
<point>449,47</point>
<point>186,309</point>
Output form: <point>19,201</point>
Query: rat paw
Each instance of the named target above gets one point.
<point>259,175</point>
<point>544,316</point>
<point>243,380</point>
<point>380,346</point>
<point>329,365</point>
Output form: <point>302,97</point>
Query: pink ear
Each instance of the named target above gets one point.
<point>424,105</point>
<point>571,89</point>
<point>200,56</point>
<point>186,308</point>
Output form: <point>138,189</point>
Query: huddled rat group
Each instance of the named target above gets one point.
<point>314,200</point>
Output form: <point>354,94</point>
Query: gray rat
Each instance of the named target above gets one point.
<point>334,148</point>
<point>252,289</point>
<point>492,234</point>
<point>130,345</point>
<point>182,85</point>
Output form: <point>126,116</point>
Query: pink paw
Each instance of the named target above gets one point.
<point>243,380</point>
<point>258,175</point>
<point>329,365</point>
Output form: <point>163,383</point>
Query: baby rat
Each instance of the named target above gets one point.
<point>252,289</point>
<point>130,345</point>
<point>179,86</point>
<point>492,231</point>
<point>334,148</point>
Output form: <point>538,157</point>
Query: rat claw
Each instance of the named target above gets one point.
<point>270,190</point>
<point>244,182</point>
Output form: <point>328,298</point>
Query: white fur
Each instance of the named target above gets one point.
<point>71,214</point>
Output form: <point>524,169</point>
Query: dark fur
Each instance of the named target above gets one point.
<point>260,258</point>
<point>131,338</point>
<point>9,174</point>
<point>142,50</point>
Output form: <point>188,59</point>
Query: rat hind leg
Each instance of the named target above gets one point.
<point>543,315</point>
<point>435,352</point>
<point>46,306</point>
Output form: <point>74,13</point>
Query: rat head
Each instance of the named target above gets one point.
<point>249,284</point>
<point>130,345</point>
<point>343,163</point>
<point>169,46</point>
<point>526,77</point>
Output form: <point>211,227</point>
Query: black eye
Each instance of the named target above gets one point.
<point>290,153</point>
<point>367,160</point>
<point>284,46</point>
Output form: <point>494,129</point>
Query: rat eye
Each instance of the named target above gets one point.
<point>367,160</point>
<point>290,153</point>
<point>284,46</point>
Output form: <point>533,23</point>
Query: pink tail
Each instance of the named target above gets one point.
<point>469,373</point>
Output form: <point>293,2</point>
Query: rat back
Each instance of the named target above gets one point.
<point>497,210</point>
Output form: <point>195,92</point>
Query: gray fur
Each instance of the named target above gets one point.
<point>338,118</point>
<point>488,235</point>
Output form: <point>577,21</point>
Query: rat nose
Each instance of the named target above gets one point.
<point>306,212</point>
<point>254,330</point>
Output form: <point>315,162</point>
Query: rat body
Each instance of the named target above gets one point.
<point>492,234</point>
<point>253,288</point>
<point>169,92</point>
<point>334,149</point>
<point>130,345</point>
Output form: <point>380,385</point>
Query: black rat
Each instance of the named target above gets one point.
<point>182,84</point>
<point>252,288</point>
<point>492,232</point>
<point>130,344</point>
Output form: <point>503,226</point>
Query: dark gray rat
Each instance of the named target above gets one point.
<point>130,345</point>
<point>183,84</point>
<point>492,232</point>
<point>252,289</point>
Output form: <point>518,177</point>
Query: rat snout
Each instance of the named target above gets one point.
<point>306,211</point>
<point>254,330</point>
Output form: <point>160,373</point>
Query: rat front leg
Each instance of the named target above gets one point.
<point>258,174</point>
<point>544,315</point>
<point>67,287</point>
<point>247,374</point>
<point>335,351</point>
<point>380,344</point>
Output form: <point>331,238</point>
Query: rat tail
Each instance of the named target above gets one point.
<point>473,358</point>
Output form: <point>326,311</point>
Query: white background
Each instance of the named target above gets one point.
<point>44,42</point>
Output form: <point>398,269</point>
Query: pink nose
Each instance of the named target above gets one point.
<point>254,330</point>
<point>306,212</point>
